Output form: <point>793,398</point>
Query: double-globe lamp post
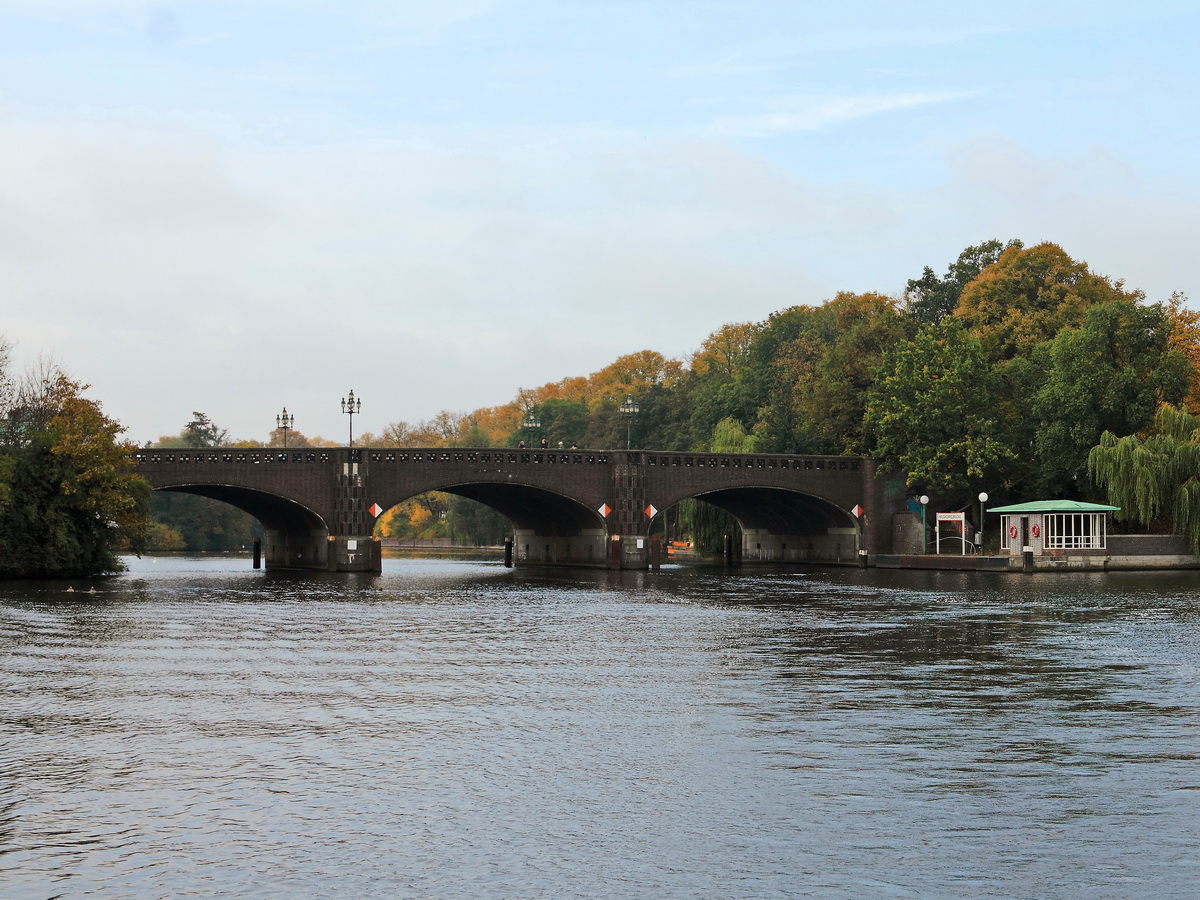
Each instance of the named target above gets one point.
<point>283,422</point>
<point>629,409</point>
<point>532,423</point>
<point>351,407</point>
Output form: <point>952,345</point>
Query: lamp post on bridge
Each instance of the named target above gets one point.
<point>284,422</point>
<point>629,409</point>
<point>982,500</point>
<point>531,423</point>
<point>350,407</point>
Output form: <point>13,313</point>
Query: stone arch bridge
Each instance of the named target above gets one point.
<point>573,508</point>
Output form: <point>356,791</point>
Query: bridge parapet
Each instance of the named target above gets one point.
<point>156,456</point>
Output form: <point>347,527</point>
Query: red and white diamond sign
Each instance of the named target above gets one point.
<point>651,511</point>
<point>375,510</point>
<point>857,510</point>
<point>604,510</point>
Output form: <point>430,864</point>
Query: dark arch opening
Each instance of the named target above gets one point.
<point>779,511</point>
<point>275,513</point>
<point>529,509</point>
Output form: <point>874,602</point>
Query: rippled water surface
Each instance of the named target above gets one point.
<point>456,729</point>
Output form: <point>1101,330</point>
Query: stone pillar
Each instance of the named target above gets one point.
<point>284,549</point>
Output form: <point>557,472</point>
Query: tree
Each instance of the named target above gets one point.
<point>1185,337</point>
<point>1154,476</point>
<point>1028,296</point>
<point>830,395</point>
<point>929,414</point>
<point>562,420</point>
<point>71,493</point>
<point>201,431</point>
<point>930,298</point>
<point>1111,374</point>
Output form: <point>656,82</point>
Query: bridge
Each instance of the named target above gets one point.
<point>569,508</point>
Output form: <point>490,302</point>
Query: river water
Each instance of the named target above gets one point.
<point>456,729</point>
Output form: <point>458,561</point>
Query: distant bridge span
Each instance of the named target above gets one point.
<point>568,507</point>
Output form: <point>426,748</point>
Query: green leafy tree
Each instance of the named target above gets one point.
<point>785,353</point>
<point>1154,476</point>
<point>1111,374</point>
<point>929,414</point>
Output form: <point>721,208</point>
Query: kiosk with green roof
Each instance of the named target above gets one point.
<point>1053,526</point>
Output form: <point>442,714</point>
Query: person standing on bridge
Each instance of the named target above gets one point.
<point>545,444</point>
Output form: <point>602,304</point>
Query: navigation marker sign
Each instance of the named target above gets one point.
<point>604,510</point>
<point>857,511</point>
<point>375,509</point>
<point>651,511</point>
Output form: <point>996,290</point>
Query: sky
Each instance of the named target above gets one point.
<point>233,206</point>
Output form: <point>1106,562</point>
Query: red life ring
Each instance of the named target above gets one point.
<point>1012,531</point>
<point>1035,530</point>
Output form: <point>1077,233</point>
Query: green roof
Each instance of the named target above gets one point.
<point>1054,506</point>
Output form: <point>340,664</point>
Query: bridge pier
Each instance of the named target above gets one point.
<point>322,551</point>
<point>587,549</point>
<point>283,549</point>
<point>355,553</point>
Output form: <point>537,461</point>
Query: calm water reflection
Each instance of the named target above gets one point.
<point>455,729</point>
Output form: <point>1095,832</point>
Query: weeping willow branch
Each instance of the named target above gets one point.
<point>1149,477</point>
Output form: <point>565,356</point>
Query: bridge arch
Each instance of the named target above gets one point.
<point>786,525</point>
<point>294,536</point>
<point>548,527</point>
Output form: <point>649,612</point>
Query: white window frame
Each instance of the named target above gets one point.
<point>1075,531</point>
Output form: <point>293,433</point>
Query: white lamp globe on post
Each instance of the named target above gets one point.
<point>979,537</point>
<point>924,498</point>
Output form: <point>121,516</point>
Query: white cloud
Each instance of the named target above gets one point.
<point>818,113</point>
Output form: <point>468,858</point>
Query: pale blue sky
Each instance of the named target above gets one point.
<point>231,206</point>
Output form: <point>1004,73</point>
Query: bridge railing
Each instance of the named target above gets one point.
<point>415,456</point>
<point>506,457</point>
<point>230,456</point>
<point>752,461</point>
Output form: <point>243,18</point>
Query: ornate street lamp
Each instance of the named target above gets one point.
<point>350,407</point>
<point>532,423</point>
<point>629,409</point>
<point>284,422</point>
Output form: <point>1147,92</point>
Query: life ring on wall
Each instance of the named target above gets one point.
<point>1035,530</point>
<point>1012,531</point>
